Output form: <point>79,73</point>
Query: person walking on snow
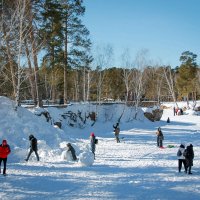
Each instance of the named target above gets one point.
<point>181,158</point>
<point>189,156</point>
<point>92,143</point>
<point>33,147</point>
<point>4,152</point>
<point>160,138</point>
<point>116,131</point>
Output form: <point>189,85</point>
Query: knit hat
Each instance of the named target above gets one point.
<point>92,134</point>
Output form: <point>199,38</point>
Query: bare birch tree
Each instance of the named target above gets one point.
<point>167,71</point>
<point>138,82</point>
<point>103,58</point>
<point>17,31</point>
<point>127,72</point>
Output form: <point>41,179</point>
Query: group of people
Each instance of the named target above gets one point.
<point>5,148</point>
<point>185,157</point>
<point>178,111</point>
<point>5,151</point>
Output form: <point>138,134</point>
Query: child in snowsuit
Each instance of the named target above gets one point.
<point>160,137</point>
<point>72,150</point>
<point>4,151</point>
<point>116,131</point>
<point>189,156</point>
<point>92,143</point>
<point>181,158</point>
<point>33,147</point>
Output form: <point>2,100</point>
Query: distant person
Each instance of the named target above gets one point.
<point>181,111</point>
<point>168,120</point>
<point>181,158</point>
<point>160,138</point>
<point>4,152</point>
<point>174,110</point>
<point>189,156</point>
<point>93,143</point>
<point>72,151</point>
<point>33,147</point>
<point>116,131</point>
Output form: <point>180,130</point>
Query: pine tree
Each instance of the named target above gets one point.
<point>67,43</point>
<point>186,80</point>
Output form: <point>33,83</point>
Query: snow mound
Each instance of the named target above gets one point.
<point>86,158</point>
<point>190,112</point>
<point>66,156</point>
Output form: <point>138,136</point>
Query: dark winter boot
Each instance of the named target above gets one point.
<point>189,170</point>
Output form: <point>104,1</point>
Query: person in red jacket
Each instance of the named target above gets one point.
<point>4,151</point>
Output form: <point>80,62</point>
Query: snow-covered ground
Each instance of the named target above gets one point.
<point>132,169</point>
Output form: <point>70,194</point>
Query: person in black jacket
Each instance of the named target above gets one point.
<point>72,150</point>
<point>116,131</point>
<point>33,147</point>
<point>189,156</point>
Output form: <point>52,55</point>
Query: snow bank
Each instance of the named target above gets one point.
<point>17,125</point>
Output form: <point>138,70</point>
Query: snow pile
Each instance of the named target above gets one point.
<point>17,125</point>
<point>65,155</point>
<point>86,158</point>
<point>190,112</point>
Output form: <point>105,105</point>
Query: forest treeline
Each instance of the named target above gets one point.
<point>45,53</point>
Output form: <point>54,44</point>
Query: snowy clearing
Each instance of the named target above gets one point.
<point>133,169</point>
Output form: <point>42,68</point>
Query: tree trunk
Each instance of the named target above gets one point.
<point>65,66</point>
<point>12,69</point>
<point>84,85</point>
<point>88,85</point>
<point>35,61</point>
<point>31,74</point>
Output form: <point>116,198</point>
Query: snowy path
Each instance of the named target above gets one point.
<point>132,169</point>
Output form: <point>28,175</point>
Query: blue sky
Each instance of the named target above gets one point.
<point>165,27</point>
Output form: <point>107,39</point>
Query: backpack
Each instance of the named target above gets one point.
<point>179,153</point>
<point>96,141</point>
